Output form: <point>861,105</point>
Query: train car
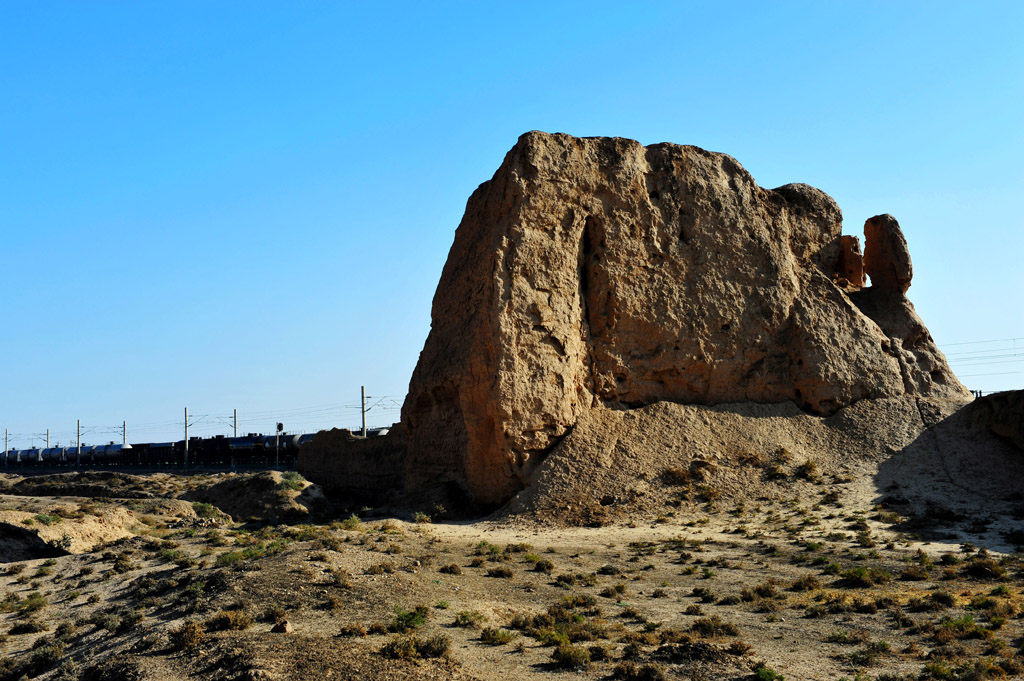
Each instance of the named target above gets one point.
<point>52,455</point>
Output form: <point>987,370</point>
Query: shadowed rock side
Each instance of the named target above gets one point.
<point>601,273</point>
<point>353,468</point>
<point>1003,413</point>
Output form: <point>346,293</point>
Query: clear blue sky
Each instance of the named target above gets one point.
<point>247,205</point>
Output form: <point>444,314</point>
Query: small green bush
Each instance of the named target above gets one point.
<point>204,510</point>
<point>568,656</point>
<point>763,673</point>
<point>292,480</point>
<point>413,648</point>
<point>468,619</point>
<point>497,637</point>
<point>407,620</point>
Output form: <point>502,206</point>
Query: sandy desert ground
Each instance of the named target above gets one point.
<point>824,584</point>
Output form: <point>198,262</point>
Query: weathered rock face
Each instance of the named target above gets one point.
<point>600,272</point>
<point>886,256</point>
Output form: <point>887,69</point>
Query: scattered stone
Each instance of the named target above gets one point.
<point>282,627</point>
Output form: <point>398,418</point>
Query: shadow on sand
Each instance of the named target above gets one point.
<point>958,482</point>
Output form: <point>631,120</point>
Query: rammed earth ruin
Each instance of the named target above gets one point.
<point>597,273</point>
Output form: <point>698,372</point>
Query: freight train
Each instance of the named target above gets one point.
<point>248,450</point>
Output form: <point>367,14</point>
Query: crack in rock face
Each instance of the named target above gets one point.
<point>598,272</point>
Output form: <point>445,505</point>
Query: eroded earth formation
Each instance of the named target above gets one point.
<point>596,274</point>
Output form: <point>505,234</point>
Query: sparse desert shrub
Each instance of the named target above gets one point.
<point>676,476</point>
<point>739,648</point>
<point>806,583</point>
<point>407,620</point>
<point>400,648</point>
<point>496,637</point>
<point>942,598</point>
<point>230,559</point>
<point>914,573</point>
<point>808,470</point>
<point>434,646</point>
<point>292,480</point>
<point>187,636</point>
<point>47,519</point>
<point>384,568</point>
<point>105,620</point>
<point>65,630</point>
<point>861,577</point>
<point>274,614</point>
<point>631,671</point>
<point>235,620</point>
<point>352,523</point>
<point>709,627</point>
<point>704,594</point>
<point>451,569</point>
<point>983,567</point>
<point>544,565</point>
<point>486,548</point>
<point>868,654</point>
<point>958,628</point>
<point>615,591</point>
<point>28,626</point>
<point>45,657</point>
<point>468,619</point>
<point>764,673</point>
<point>502,572</point>
<point>352,630</point>
<point>413,648</point>
<point>568,656</point>
<point>204,510</point>
<point>572,579</point>
<point>33,602</point>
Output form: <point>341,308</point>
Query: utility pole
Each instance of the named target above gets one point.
<point>186,437</point>
<point>78,447</point>
<point>6,449</point>
<point>124,433</point>
<point>236,423</point>
<point>47,438</point>
<point>362,391</point>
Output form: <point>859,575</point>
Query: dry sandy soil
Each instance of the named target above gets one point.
<point>818,574</point>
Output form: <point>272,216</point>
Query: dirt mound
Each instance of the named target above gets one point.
<point>64,527</point>
<point>648,462</point>
<point>97,484</point>
<point>269,496</point>
<point>18,543</point>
